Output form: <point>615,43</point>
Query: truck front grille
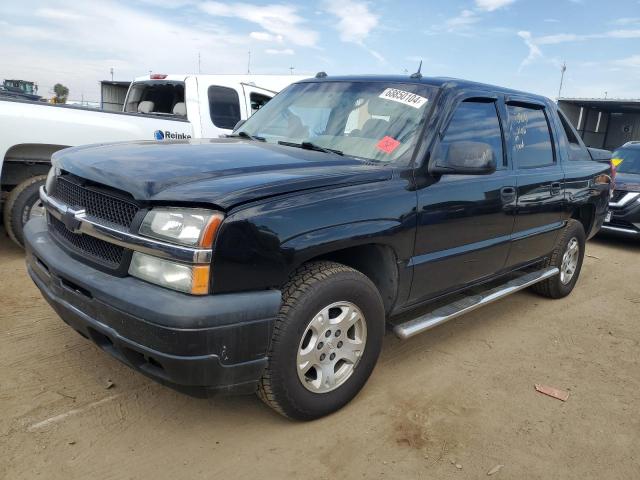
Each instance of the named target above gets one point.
<point>95,249</point>
<point>96,203</point>
<point>617,195</point>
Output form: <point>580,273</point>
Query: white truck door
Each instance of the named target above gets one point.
<point>255,97</point>
<point>221,107</point>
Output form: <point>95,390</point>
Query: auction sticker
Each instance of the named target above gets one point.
<point>401,96</point>
<point>387,144</point>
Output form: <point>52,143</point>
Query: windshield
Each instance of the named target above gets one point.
<point>376,121</point>
<point>157,98</point>
<point>630,160</point>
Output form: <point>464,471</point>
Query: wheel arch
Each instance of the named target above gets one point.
<point>585,214</point>
<point>25,160</point>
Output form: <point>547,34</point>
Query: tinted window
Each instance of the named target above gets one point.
<point>224,106</point>
<point>474,122</point>
<point>257,101</point>
<point>576,150</point>
<point>529,136</point>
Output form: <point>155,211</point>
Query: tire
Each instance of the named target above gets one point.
<point>18,207</point>
<point>560,286</point>
<point>314,288</point>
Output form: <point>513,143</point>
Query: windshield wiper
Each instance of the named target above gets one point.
<point>243,134</point>
<point>311,146</point>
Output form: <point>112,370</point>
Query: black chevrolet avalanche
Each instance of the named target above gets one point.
<point>272,261</point>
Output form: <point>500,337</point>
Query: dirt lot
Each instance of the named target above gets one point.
<point>452,403</point>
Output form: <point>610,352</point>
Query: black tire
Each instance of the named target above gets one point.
<point>313,287</point>
<point>18,205</point>
<point>554,287</point>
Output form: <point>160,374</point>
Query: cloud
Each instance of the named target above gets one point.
<point>54,48</point>
<point>282,51</point>
<point>630,62</point>
<point>534,50</point>
<point>465,19</point>
<point>573,37</point>
<point>491,5</point>
<point>627,21</point>
<point>276,19</point>
<point>266,37</point>
<point>355,20</point>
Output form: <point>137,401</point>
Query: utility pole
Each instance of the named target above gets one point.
<point>249,62</point>
<point>562,70</point>
<point>111,70</point>
<point>291,70</point>
<point>199,65</point>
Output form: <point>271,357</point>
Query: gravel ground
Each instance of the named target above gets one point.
<point>453,403</point>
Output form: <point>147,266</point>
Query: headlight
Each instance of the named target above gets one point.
<point>193,279</point>
<point>192,227</point>
<point>51,180</point>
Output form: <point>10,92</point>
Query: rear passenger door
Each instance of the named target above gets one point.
<point>540,180</point>
<point>464,221</point>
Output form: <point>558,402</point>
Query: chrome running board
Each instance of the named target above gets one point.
<point>467,304</point>
<point>620,230</point>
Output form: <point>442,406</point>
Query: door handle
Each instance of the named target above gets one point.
<point>556,188</point>
<point>508,194</point>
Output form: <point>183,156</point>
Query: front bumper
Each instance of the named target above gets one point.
<point>198,345</point>
<point>625,217</point>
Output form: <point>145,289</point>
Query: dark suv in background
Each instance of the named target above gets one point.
<point>624,207</point>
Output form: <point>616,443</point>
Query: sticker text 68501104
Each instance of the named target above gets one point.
<point>406,98</point>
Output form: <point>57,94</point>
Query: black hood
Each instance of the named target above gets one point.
<point>223,172</point>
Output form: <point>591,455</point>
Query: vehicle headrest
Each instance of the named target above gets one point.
<point>374,128</point>
<point>382,107</point>
<point>146,106</point>
<point>180,109</point>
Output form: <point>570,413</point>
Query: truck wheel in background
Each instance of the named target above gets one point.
<point>567,256</point>
<point>325,343</point>
<point>22,205</point>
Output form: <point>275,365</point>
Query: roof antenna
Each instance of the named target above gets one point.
<point>418,74</point>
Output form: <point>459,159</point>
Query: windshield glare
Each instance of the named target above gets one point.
<point>630,160</point>
<point>376,121</point>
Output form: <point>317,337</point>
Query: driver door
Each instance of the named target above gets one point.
<point>464,221</point>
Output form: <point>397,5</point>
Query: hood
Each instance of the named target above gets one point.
<point>629,182</point>
<point>223,172</point>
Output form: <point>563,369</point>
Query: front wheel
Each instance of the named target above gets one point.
<point>22,205</point>
<point>326,341</point>
<point>567,256</point>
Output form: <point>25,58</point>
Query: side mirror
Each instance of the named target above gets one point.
<point>466,158</point>
<point>238,125</point>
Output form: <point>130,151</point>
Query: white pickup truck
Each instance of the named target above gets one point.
<point>157,107</point>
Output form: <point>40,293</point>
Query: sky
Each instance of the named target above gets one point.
<point>519,44</point>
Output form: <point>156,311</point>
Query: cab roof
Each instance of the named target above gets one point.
<point>438,82</point>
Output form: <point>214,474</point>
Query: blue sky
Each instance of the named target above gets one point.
<point>515,43</point>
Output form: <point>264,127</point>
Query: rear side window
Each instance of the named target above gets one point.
<point>157,98</point>
<point>575,149</point>
<point>257,101</point>
<point>529,137</point>
<point>224,106</point>
<point>474,122</point>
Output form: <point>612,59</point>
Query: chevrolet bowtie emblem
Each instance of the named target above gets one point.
<point>71,219</point>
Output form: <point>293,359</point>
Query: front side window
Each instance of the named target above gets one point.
<point>529,137</point>
<point>224,106</point>
<point>473,121</point>
<point>377,121</point>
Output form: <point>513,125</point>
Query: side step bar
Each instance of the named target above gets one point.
<point>460,307</point>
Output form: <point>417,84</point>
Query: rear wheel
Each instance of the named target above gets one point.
<point>567,256</point>
<point>326,341</point>
<point>22,205</point>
